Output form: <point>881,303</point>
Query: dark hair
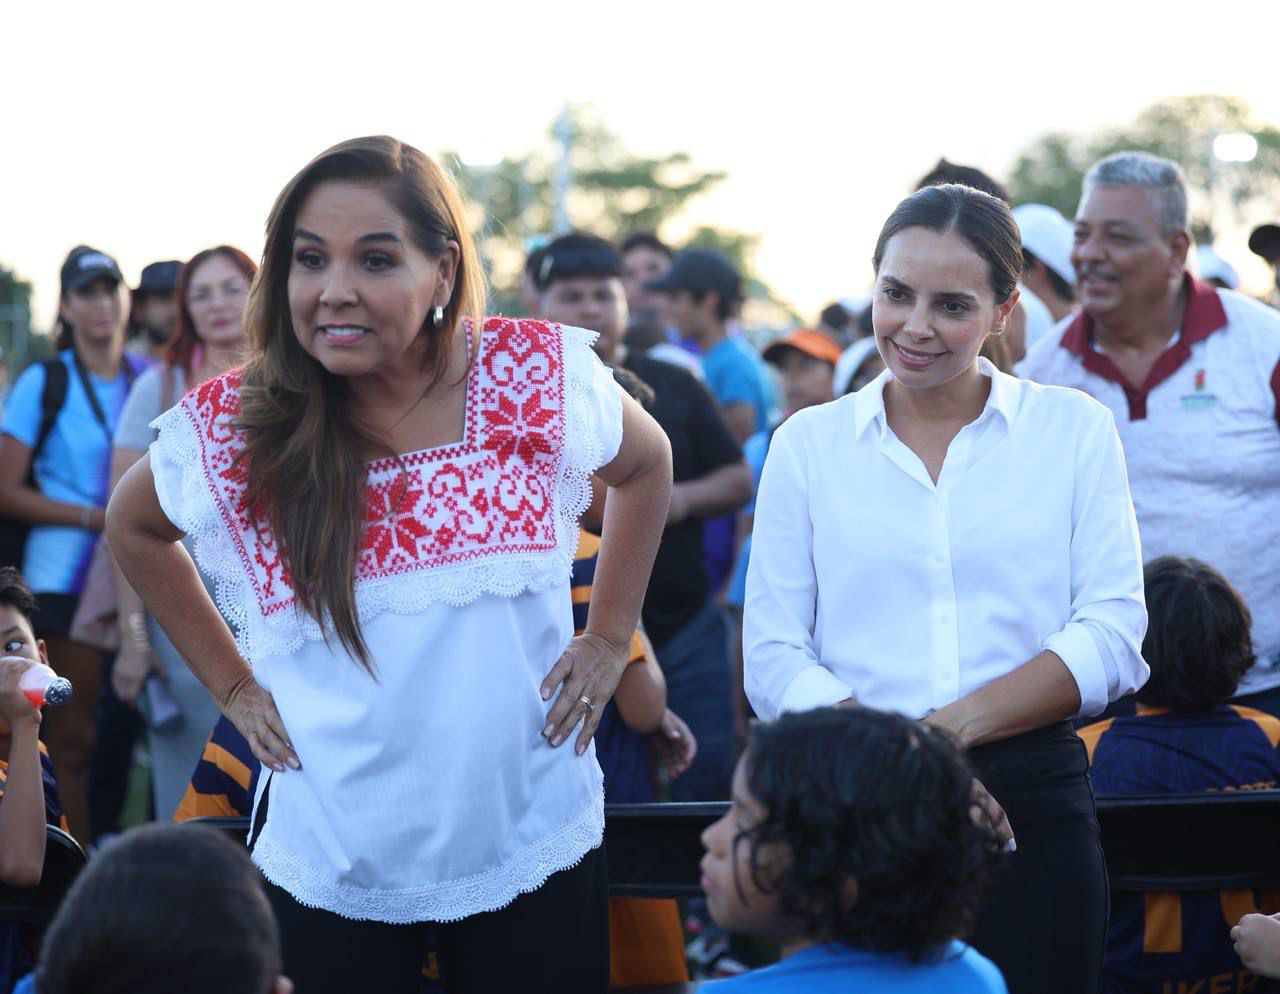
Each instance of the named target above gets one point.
<point>980,219</point>
<point>636,388</point>
<point>836,316</point>
<point>873,800</point>
<point>645,239</point>
<point>1059,286</point>
<point>950,172</point>
<point>303,450</point>
<point>1197,641</point>
<point>532,261</point>
<point>15,593</point>
<point>182,343</point>
<point>574,255</point>
<point>163,908</point>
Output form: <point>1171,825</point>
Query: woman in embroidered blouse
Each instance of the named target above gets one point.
<point>960,546</point>
<point>415,723</point>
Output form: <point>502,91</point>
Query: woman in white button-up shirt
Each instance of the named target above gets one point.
<point>959,545</point>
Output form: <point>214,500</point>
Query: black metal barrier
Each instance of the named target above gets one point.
<point>63,861</point>
<point>1175,842</point>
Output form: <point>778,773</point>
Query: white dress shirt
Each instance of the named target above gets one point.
<point>869,581</point>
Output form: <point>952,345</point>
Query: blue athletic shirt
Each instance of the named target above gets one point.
<point>1165,941</point>
<point>833,967</point>
<point>74,466</point>
<point>736,375</point>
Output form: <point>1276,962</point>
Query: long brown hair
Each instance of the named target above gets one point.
<point>303,445</point>
<point>181,346</point>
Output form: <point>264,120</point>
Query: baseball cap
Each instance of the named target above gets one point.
<point>1048,236</point>
<point>700,270</point>
<point>85,264</point>
<point>1210,265</point>
<point>1265,241</point>
<point>810,341</point>
<point>159,277</point>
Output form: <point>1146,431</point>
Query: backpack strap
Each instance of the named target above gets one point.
<point>52,398</point>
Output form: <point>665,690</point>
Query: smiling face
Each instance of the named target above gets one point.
<point>360,289</point>
<point>933,307</point>
<point>733,897</point>
<point>216,297</point>
<point>1126,266</point>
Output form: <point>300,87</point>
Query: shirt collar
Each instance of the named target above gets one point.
<point>1004,399</point>
<point>1202,316</point>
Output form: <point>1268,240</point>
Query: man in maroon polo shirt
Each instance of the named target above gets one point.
<point>1192,374</point>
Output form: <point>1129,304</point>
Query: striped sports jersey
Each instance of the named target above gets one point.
<point>1171,943</point>
<point>17,956</point>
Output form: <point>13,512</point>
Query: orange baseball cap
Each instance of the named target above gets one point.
<point>810,341</point>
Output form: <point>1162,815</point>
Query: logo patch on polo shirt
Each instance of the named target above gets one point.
<point>1199,399</point>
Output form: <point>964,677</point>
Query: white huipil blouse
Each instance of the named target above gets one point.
<point>869,580</point>
<point>427,793</point>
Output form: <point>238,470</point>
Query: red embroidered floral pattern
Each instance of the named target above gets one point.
<point>490,493</point>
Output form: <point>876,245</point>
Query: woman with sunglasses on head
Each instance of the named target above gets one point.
<point>386,497</point>
<point>208,340</point>
<point>959,546</point>
<point>54,476</point>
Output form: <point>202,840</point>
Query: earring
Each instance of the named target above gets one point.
<point>437,317</point>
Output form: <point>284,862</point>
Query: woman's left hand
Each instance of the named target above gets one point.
<point>587,674</point>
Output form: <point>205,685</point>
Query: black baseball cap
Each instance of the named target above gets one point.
<point>159,277</point>
<point>700,271</point>
<point>86,264</point>
<point>1265,241</point>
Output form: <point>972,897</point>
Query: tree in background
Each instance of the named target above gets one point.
<point>15,321</point>
<point>1182,129</point>
<point>608,190</point>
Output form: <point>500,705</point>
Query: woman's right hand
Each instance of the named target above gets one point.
<point>130,670</point>
<point>987,812</point>
<point>251,708</point>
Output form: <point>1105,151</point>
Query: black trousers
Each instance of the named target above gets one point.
<point>1044,921</point>
<point>553,938</point>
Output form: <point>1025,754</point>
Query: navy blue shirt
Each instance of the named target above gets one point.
<point>1162,941</point>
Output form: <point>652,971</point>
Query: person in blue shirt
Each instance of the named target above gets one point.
<point>1185,736</point>
<point>850,842</point>
<point>58,486</point>
<point>703,293</point>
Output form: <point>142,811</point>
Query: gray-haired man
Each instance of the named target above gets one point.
<point>1192,374</point>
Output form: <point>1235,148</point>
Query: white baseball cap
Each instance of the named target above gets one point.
<point>1210,265</point>
<point>1048,236</point>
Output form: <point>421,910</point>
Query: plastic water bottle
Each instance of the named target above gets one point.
<point>42,686</point>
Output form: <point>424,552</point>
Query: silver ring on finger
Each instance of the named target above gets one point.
<point>587,701</point>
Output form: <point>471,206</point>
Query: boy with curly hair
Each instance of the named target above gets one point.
<point>851,842</point>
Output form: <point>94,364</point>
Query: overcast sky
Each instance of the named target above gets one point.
<point>154,129</point>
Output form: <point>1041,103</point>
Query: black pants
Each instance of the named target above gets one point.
<point>553,938</point>
<point>1044,921</point>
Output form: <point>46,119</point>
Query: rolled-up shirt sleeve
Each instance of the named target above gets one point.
<point>1102,643</point>
<point>781,668</point>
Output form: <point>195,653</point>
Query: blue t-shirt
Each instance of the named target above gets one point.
<point>832,968</point>
<point>1182,941</point>
<point>736,375</point>
<point>753,452</point>
<point>74,466</point>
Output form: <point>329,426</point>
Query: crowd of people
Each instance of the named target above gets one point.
<point>413,589</point>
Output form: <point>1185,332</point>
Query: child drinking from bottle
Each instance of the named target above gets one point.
<point>28,793</point>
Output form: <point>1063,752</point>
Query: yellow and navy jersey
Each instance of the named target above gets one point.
<point>1180,942</point>
<point>52,806</point>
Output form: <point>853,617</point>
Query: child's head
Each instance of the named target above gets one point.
<point>853,826</point>
<point>164,908</point>
<point>17,604</point>
<point>1197,643</point>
